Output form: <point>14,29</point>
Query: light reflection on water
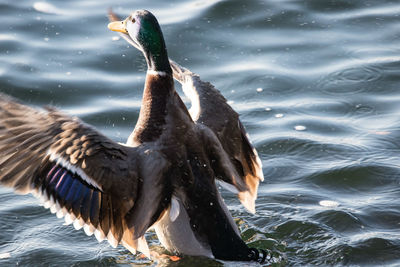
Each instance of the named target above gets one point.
<point>330,66</point>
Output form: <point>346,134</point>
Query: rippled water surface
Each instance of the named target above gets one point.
<point>316,84</point>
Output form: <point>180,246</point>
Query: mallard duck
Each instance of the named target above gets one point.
<point>163,177</point>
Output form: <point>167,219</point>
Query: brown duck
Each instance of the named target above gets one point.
<point>163,177</point>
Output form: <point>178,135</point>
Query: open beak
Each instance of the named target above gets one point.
<point>118,26</point>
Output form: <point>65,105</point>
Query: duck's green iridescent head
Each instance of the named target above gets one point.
<point>144,30</point>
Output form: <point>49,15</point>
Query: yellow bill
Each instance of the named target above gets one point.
<point>118,26</point>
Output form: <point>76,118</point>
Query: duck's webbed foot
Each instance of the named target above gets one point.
<point>156,255</point>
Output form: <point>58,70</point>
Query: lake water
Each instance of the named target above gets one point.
<point>316,84</point>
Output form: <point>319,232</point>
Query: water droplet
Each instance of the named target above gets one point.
<point>115,38</point>
<point>329,203</point>
<point>268,109</point>
<point>259,89</point>
<point>300,128</point>
<point>46,39</point>
<point>279,115</point>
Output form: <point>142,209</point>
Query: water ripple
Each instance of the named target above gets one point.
<point>350,81</point>
<point>329,66</point>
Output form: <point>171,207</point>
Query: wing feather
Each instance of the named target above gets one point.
<point>79,173</point>
<point>211,109</point>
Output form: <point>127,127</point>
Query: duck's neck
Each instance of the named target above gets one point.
<point>155,52</point>
<point>159,63</point>
<point>158,89</point>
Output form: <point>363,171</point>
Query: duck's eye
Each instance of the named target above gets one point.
<point>133,20</point>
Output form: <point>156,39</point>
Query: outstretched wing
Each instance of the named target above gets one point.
<point>79,174</point>
<point>210,108</point>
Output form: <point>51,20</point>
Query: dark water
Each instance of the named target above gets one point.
<point>316,84</point>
